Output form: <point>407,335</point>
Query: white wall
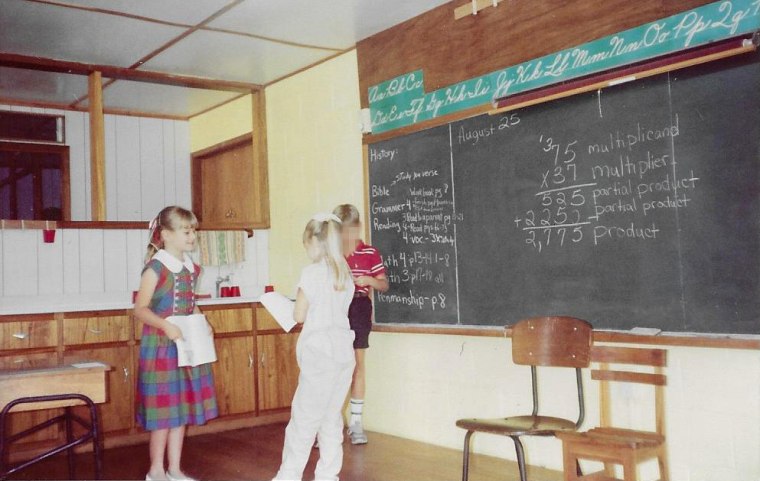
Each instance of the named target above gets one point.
<point>419,385</point>
<point>147,164</point>
<point>104,261</point>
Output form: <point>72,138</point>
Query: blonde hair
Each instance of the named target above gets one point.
<point>327,234</point>
<point>348,214</point>
<point>170,218</point>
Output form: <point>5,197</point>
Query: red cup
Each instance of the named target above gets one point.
<point>48,236</point>
<point>225,291</point>
<point>134,296</point>
<point>235,291</point>
<point>268,288</point>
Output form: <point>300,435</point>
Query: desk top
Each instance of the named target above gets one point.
<point>52,366</point>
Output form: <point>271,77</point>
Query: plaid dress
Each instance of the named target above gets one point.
<point>169,396</point>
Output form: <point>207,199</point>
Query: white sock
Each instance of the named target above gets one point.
<point>357,405</point>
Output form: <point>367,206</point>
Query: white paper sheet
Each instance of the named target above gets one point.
<point>281,308</point>
<point>197,345</point>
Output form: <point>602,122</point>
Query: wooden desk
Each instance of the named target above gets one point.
<point>57,384</point>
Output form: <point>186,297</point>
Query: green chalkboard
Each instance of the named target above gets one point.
<point>634,206</point>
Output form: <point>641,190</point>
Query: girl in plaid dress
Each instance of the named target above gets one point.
<point>169,397</point>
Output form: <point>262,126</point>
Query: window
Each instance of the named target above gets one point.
<point>34,181</point>
<point>31,127</point>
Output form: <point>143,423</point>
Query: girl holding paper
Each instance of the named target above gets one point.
<point>169,397</point>
<point>324,352</point>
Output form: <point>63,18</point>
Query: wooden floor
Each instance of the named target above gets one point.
<point>254,454</point>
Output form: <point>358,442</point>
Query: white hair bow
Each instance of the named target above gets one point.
<point>324,217</point>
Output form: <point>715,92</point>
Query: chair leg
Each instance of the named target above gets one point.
<point>570,464</point>
<point>466,456</point>
<point>629,467</point>
<point>662,461</point>
<point>96,445</point>
<point>520,458</point>
<point>69,438</point>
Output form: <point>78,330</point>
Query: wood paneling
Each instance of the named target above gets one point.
<point>97,147</point>
<point>449,51</point>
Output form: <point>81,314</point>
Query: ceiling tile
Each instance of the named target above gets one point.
<point>49,31</point>
<point>336,24</point>
<point>36,86</point>
<point>159,98</point>
<point>230,57</point>
<point>175,11</point>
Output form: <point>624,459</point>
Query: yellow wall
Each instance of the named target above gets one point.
<point>226,122</point>
<point>418,385</point>
<point>315,156</point>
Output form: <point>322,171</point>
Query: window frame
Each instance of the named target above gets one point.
<point>42,148</point>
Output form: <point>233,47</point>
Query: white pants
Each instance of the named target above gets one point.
<point>316,412</point>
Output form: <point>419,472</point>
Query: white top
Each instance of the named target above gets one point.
<point>326,330</point>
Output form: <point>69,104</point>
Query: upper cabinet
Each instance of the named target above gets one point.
<point>230,187</point>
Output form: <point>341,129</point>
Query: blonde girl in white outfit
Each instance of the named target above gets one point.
<point>325,354</point>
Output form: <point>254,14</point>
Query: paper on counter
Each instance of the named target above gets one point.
<point>197,345</point>
<point>281,308</point>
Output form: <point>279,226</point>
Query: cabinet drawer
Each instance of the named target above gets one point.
<point>28,334</point>
<point>239,319</point>
<point>26,361</point>
<point>95,329</point>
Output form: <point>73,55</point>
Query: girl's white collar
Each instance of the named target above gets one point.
<point>172,263</point>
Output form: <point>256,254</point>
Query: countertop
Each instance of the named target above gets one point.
<point>90,302</point>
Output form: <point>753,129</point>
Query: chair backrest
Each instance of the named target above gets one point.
<point>556,342</point>
<point>651,357</point>
<point>552,341</point>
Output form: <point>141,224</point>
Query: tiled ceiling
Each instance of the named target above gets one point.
<point>251,41</point>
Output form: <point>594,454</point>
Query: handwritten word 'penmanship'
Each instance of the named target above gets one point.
<point>401,101</point>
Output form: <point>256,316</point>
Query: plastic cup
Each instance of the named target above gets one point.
<point>235,291</point>
<point>225,291</point>
<point>268,288</point>
<point>48,236</point>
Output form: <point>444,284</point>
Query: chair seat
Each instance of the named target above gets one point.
<point>614,437</point>
<point>518,425</point>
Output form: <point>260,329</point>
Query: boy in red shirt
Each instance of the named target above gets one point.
<point>369,273</point>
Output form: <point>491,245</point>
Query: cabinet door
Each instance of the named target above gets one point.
<point>233,375</point>
<point>278,370</point>
<point>228,186</point>
<point>117,413</point>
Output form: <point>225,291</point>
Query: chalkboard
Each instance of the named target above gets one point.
<point>634,206</point>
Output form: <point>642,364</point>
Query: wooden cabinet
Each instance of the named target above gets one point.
<point>234,372</point>
<point>230,186</point>
<point>278,370</point>
<point>255,375</point>
<point>234,375</point>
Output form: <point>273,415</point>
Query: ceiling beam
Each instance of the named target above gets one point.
<point>77,68</point>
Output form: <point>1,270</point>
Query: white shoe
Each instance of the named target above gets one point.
<point>184,477</point>
<point>356,433</point>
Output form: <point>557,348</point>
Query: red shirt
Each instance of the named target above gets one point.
<point>365,260</point>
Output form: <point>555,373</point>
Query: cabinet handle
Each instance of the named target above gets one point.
<point>94,331</point>
<point>20,335</point>
<point>250,360</point>
<point>230,214</point>
<point>126,374</point>
<point>263,359</point>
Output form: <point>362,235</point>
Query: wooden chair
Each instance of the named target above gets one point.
<point>540,341</point>
<point>613,445</point>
